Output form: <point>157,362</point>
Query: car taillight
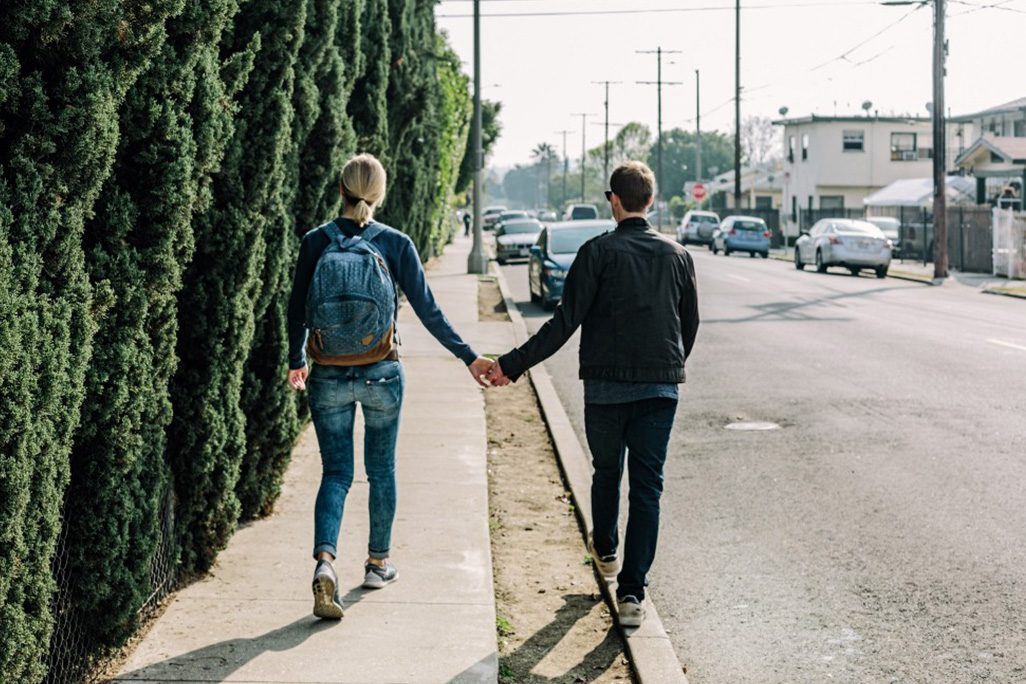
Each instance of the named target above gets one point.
<point>835,240</point>
<point>765,233</point>
<point>733,232</point>
<point>888,245</point>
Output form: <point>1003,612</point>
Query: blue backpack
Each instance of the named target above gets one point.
<point>352,301</point>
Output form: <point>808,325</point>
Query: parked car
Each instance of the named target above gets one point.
<point>514,239</point>
<point>509,215</point>
<point>891,228</point>
<point>551,256</point>
<point>697,227</point>
<point>742,234</point>
<point>547,215</point>
<point>489,215</point>
<point>580,212</point>
<point>848,243</point>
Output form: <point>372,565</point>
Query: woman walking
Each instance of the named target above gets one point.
<point>342,312</point>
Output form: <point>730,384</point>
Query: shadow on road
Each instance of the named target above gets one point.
<point>800,310</point>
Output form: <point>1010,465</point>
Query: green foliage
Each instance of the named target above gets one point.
<point>136,247</point>
<point>491,127</point>
<point>158,161</point>
<point>65,68</point>
<point>679,151</point>
<point>242,245</point>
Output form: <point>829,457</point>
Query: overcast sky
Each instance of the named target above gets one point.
<point>812,56</point>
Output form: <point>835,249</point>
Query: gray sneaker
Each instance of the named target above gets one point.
<point>327,602</point>
<point>630,611</point>
<point>608,566</point>
<point>377,576</point>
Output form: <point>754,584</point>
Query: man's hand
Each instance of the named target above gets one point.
<point>497,377</point>
<point>479,368</point>
<point>297,378</point>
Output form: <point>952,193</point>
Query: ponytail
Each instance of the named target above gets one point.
<point>363,185</point>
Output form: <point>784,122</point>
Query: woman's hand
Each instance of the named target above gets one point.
<point>297,378</point>
<point>480,368</point>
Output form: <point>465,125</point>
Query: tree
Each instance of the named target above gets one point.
<point>491,128</point>
<point>761,141</point>
<point>680,157</point>
<point>631,142</point>
<point>543,156</point>
<point>520,185</point>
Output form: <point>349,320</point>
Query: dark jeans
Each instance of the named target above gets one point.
<point>641,431</point>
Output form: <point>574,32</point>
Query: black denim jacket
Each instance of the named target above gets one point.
<point>634,295</point>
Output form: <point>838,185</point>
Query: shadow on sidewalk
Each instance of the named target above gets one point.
<point>217,662</point>
<point>518,664</point>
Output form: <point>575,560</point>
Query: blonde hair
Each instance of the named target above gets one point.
<point>363,185</point>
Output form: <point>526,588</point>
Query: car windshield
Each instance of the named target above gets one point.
<point>518,227</point>
<point>507,215</point>
<point>699,218</point>
<point>584,212</point>
<point>569,240</point>
<point>749,225</point>
<point>858,228</point>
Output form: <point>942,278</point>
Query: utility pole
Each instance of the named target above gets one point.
<point>940,186</point>
<point>477,261</point>
<point>659,83</point>
<point>566,163</point>
<point>605,148</point>
<point>584,149</point>
<point>698,126</point>
<point>737,106</point>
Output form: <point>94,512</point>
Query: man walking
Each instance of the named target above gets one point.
<point>633,293</point>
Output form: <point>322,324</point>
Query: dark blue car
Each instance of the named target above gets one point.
<point>552,255</point>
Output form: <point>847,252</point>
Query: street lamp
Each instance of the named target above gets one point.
<point>477,261</point>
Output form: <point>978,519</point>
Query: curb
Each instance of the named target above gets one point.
<point>1002,293</point>
<point>651,654</point>
<point>910,277</point>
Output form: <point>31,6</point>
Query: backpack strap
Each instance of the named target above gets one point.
<point>371,231</point>
<point>333,231</point>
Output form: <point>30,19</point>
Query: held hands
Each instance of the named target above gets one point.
<point>488,373</point>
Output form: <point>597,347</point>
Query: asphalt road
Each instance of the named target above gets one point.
<point>878,535</point>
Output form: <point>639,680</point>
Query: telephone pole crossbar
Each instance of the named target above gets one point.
<point>659,83</point>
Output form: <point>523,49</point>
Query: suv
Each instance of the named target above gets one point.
<point>580,212</point>
<point>698,227</point>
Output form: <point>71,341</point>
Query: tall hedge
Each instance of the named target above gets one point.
<point>136,247</point>
<point>238,248</point>
<point>158,161</point>
<point>64,70</point>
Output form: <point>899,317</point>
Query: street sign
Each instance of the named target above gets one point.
<point>698,192</point>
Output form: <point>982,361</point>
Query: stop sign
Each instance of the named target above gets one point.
<point>698,192</point>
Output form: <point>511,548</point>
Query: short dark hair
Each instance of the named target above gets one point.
<point>634,183</point>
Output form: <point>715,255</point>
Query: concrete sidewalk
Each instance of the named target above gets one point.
<point>250,620</point>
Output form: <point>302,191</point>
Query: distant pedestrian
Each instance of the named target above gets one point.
<point>466,223</point>
<point>633,293</point>
<point>358,264</point>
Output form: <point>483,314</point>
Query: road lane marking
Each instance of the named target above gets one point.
<point>737,277</point>
<point>1008,344</point>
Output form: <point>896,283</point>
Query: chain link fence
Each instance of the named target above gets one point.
<point>75,657</point>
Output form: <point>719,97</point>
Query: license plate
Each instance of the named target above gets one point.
<point>523,252</point>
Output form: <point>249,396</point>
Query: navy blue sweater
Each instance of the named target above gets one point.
<point>403,262</point>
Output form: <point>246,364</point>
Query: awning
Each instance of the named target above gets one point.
<point>918,192</point>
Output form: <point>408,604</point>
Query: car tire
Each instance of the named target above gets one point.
<point>798,260</point>
<point>714,250</point>
<point>881,271</point>
<point>502,262</point>
<point>751,255</point>
<point>764,255</point>
<point>726,252</point>
<point>821,266</point>
<point>854,271</point>
<point>535,299</point>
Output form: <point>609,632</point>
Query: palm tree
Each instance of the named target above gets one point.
<point>544,153</point>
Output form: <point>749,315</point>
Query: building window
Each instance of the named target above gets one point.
<point>794,208</point>
<point>903,147</point>
<point>831,202</point>
<point>763,202</point>
<point>1019,128</point>
<point>805,146</point>
<point>854,141</point>
<point>790,149</point>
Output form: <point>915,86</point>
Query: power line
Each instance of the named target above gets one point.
<point>844,55</point>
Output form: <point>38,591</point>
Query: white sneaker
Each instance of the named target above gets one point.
<point>630,611</point>
<point>327,603</point>
<point>608,566</point>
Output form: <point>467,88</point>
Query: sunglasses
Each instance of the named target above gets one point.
<point>609,195</point>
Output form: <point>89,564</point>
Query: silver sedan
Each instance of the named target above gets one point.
<point>847,243</point>
<point>513,239</point>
